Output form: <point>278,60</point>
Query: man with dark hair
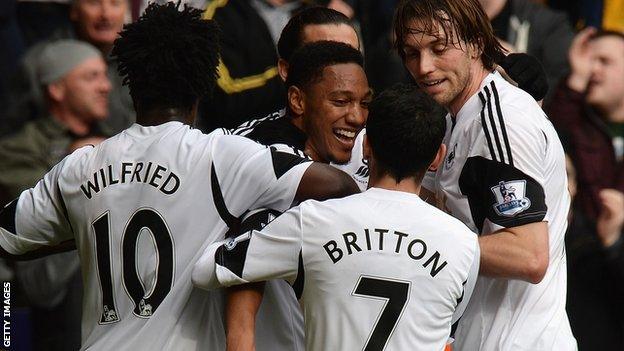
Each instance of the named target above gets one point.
<point>134,204</point>
<point>328,98</point>
<point>497,133</point>
<point>422,265</point>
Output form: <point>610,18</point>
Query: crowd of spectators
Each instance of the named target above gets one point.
<point>60,89</point>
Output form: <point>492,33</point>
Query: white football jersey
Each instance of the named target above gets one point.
<point>279,321</point>
<point>141,207</point>
<point>505,167</point>
<point>376,270</point>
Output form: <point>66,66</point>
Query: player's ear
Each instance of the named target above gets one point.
<point>295,100</point>
<point>439,157</point>
<point>282,69</point>
<point>366,148</point>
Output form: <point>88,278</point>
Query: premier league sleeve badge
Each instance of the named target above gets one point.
<point>510,198</point>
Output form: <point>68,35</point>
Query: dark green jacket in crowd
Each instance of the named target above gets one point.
<point>31,152</point>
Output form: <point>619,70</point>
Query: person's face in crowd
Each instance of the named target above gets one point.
<point>84,90</point>
<point>606,84</point>
<point>99,21</point>
<point>333,32</point>
<point>445,71</point>
<point>334,111</point>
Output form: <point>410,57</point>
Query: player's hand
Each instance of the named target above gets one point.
<point>580,57</point>
<point>77,144</point>
<point>526,71</point>
<point>611,218</point>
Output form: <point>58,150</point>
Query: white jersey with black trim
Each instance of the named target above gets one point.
<point>376,270</point>
<point>357,167</point>
<point>279,321</point>
<point>505,167</point>
<point>141,207</point>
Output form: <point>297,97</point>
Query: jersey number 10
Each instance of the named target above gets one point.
<point>145,303</point>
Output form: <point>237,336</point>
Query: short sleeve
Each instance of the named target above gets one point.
<point>504,175</point>
<point>270,253</point>
<point>249,176</point>
<point>38,217</point>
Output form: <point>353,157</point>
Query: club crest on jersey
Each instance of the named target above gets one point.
<point>450,159</point>
<point>510,198</point>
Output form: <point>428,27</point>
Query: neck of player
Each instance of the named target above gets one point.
<point>385,181</point>
<point>156,116</point>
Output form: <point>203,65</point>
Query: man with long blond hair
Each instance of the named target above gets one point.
<point>504,177</point>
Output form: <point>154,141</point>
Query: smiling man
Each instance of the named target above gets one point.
<point>504,177</point>
<point>328,96</point>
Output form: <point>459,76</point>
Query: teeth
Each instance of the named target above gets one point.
<point>345,133</point>
<point>432,82</point>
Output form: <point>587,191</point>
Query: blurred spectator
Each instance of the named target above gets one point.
<point>73,75</point>
<point>605,14</point>
<point>248,83</point>
<point>96,22</point>
<point>589,108</point>
<point>528,27</point>
<point>11,47</point>
<point>595,285</point>
<point>39,19</point>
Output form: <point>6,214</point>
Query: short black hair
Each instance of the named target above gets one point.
<point>292,35</point>
<point>405,128</point>
<point>168,57</point>
<point>308,62</point>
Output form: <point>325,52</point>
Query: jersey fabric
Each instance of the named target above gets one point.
<point>376,270</point>
<point>505,167</point>
<point>275,129</point>
<point>141,207</point>
<point>279,321</point>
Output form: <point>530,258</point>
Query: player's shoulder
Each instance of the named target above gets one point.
<point>513,105</point>
<point>248,126</point>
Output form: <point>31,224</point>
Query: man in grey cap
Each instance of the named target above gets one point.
<point>96,22</point>
<point>73,78</point>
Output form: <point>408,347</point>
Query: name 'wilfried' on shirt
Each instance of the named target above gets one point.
<point>155,175</point>
<point>385,240</point>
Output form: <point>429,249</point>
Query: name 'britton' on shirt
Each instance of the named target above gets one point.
<point>131,172</point>
<point>415,248</point>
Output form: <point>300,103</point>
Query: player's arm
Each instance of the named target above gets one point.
<point>322,182</point>
<point>271,253</point>
<point>36,224</point>
<point>242,305</point>
<point>243,301</point>
<point>505,191</point>
<point>250,176</point>
<point>516,253</point>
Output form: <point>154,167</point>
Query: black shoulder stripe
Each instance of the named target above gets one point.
<point>283,161</point>
<point>217,196</point>
<point>299,282</point>
<point>485,128</point>
<point>502,124</point>
<point>495,135</point>
<point>7,216</point>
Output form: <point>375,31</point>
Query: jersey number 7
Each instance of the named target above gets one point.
<point>145,302</point>
<point>395,293</point>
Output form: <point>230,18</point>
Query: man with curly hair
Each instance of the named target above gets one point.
<point>141,206</point>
